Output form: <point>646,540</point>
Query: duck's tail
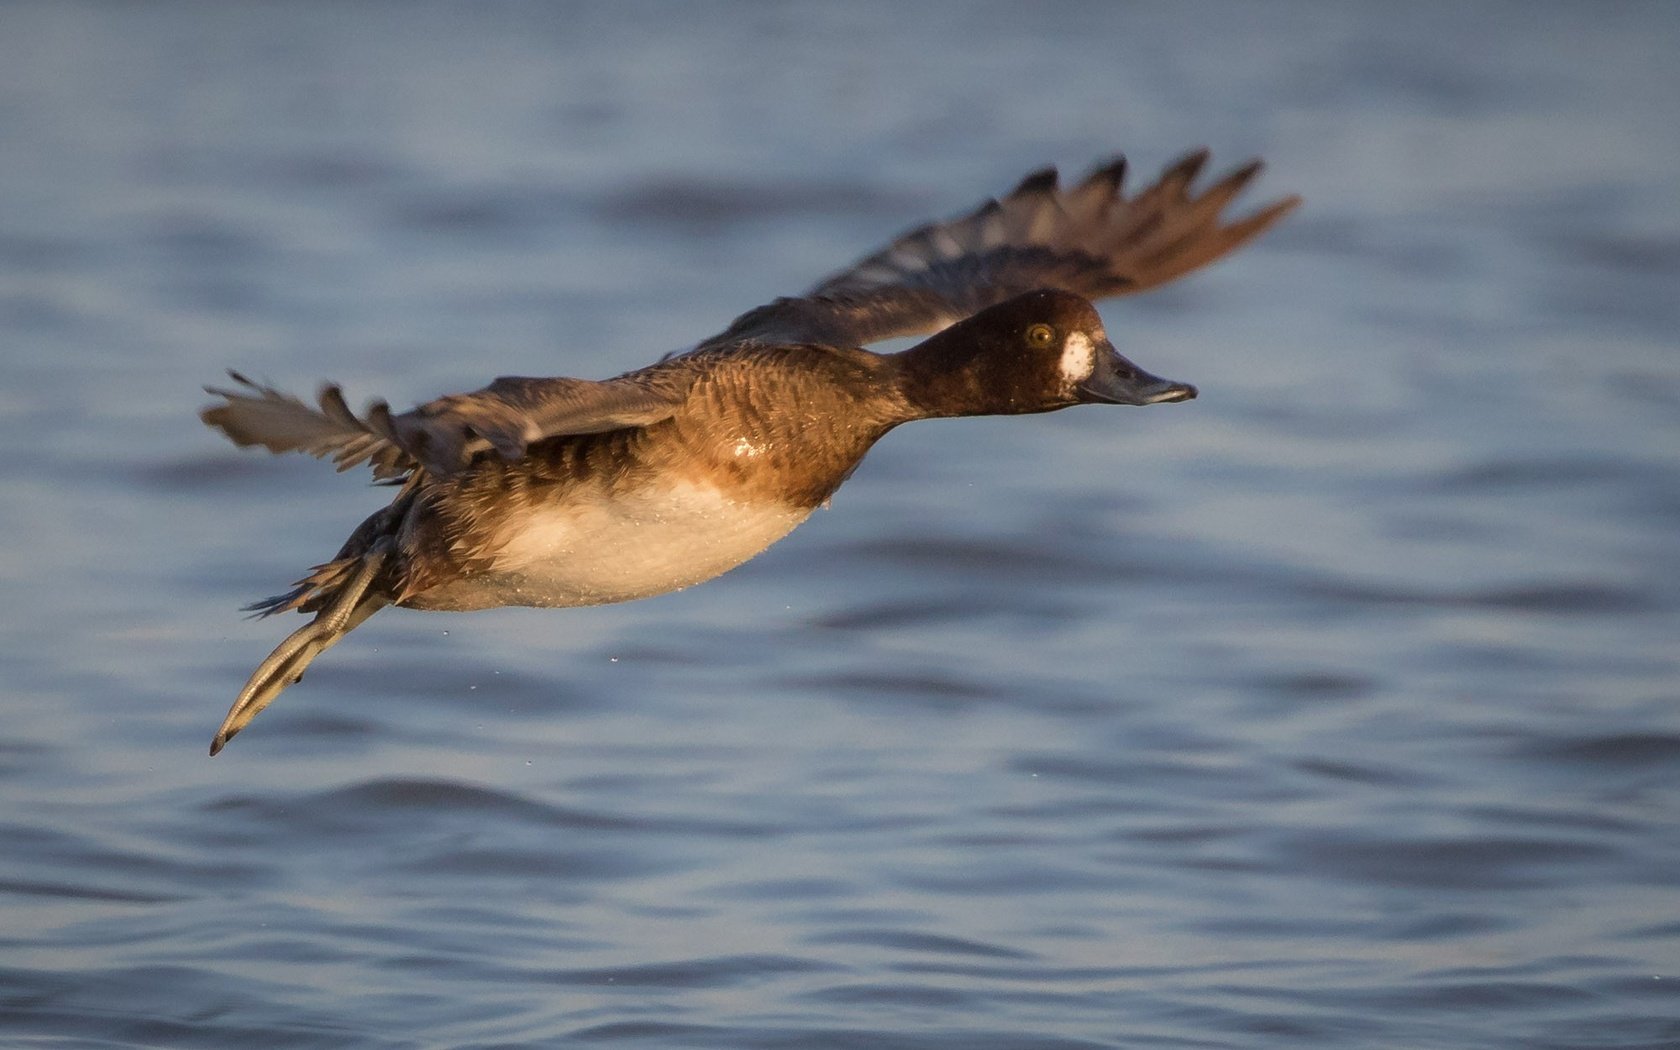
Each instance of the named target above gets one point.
<point>355,598</point>
<point>362,579</point>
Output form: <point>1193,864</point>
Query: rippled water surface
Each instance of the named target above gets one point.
<point>1337,708</point>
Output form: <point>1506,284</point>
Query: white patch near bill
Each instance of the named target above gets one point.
<point>1079,358</point>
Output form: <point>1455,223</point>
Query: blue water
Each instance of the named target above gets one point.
<point>1340,707</point>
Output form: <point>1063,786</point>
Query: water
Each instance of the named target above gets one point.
<point>1337,708</point>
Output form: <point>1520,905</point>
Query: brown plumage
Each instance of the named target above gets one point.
<point>562,492</point>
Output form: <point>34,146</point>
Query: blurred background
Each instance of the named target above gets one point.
<point>1337,708</point>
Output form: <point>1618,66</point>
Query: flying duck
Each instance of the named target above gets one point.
<point>566,492</point>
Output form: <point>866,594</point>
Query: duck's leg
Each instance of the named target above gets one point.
<point>285,665</point>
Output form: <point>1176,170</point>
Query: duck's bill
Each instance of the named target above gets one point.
<point>1116,381</point>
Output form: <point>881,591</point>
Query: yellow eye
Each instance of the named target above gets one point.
<point>1041,335</point>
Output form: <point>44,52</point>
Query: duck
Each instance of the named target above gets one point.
<point>563,492</point>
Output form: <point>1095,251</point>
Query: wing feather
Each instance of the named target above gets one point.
<point>253,414</point>
<point>1090,239</point>
<point>442,435</point>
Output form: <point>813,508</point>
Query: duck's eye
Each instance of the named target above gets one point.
<point>1041,336</point>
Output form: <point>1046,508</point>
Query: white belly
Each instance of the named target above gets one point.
<point>636,545</point>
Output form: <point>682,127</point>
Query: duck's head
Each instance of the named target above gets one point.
<point>1037,352</point>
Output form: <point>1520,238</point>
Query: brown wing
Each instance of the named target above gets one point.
<point>442,435</point>
<point>1092,240</point>
<point>513,412</point>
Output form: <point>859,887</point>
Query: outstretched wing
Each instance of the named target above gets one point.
<point>1092,240</point>
<point>442,435</point>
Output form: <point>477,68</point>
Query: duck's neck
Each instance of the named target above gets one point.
<point>958,373</point>
<point>943,376</point>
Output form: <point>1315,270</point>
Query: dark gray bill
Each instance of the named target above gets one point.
<point>1116,381</point>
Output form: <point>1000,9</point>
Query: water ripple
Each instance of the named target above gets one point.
<point>1335,709</point>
